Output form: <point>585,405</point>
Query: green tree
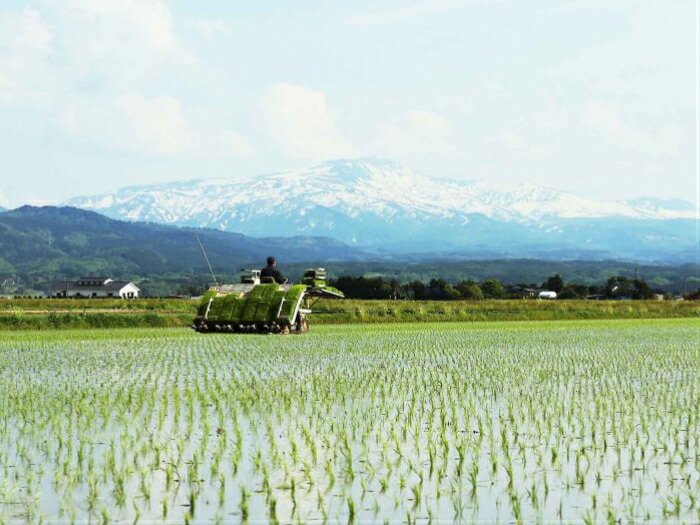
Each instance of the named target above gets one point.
<point>641,290</point>
<point>438,289</point>
<point>617,287</point>
<point>554,284</point>
<point>363,287</point>
<point>493,289</point>
<point>395,287</point>
<point>692,296</point>
<point>416,290</point>
<point>469,290</point>
<point>573,291</point>
<point>451,293</point>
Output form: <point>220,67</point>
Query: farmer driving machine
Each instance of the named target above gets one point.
<point>262,307</point>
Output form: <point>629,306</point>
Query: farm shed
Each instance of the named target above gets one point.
<point>524,293</point>
<point>96,287</point>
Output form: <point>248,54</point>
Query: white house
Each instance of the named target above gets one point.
<point>96,287</point>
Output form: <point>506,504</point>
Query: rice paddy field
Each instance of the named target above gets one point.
<point>508,422</point>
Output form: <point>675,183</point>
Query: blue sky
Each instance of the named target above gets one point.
<point>595,97</point>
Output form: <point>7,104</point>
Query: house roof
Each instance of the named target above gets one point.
<point>529,290</point>
<point>113,286</point>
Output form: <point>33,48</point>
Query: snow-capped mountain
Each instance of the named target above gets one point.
<point>377,203</point>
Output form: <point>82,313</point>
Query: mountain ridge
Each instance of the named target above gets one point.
<point>45,244</point>
<point>70,241</point>
<point>513,201</point>
<point>378,205</point>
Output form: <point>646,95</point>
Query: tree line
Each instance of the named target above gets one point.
<point>618,287</point>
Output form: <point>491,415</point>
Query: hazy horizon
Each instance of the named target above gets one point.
<point>590,98</point>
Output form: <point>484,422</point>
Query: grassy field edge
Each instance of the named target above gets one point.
<point>54,315</point>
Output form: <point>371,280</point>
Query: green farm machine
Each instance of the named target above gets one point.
<point>252,306</point>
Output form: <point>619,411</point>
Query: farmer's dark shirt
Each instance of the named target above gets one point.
<point>271,271</point>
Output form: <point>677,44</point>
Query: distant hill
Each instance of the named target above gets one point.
<point>53,242</point>
<point>377,205</point>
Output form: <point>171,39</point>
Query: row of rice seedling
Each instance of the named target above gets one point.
<point>583,422</point>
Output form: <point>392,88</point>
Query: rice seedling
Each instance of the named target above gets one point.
<point>524,422</point>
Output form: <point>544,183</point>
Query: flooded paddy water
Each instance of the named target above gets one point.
<point>579,422</point>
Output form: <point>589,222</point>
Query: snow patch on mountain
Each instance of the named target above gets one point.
<point>381,206</point>
<point>664,208</point>
<point>357,189</point>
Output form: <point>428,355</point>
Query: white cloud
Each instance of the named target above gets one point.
<point>115,42</point>
<point>424,132</point>
<point>491,88</point>
<point>208,27</point>
<point>230,143</point>
<point>147,21</point>
<point>464,104</point>
<point>130,121</point>
<point>594,83</point>
<point>599,5</point>
<point>652,61</point>
<point>412,10</point>
<point>155,125</point>
<point>522,146</point>
<point>25,45</point>
<point>301,123</point>
<point>631,131</point>
<point>97,68</point>
<point>83,45</point>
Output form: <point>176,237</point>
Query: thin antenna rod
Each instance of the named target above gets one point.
<point>207,259</point>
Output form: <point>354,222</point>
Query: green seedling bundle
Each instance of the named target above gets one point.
<point>260,308</point>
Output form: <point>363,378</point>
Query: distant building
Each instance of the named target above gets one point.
<point>596,297</point>
<point>96,287</point>
<point>12,280</point>
<point>524,293</point>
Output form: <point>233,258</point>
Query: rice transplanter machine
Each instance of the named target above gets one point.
<point>262,307</point>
